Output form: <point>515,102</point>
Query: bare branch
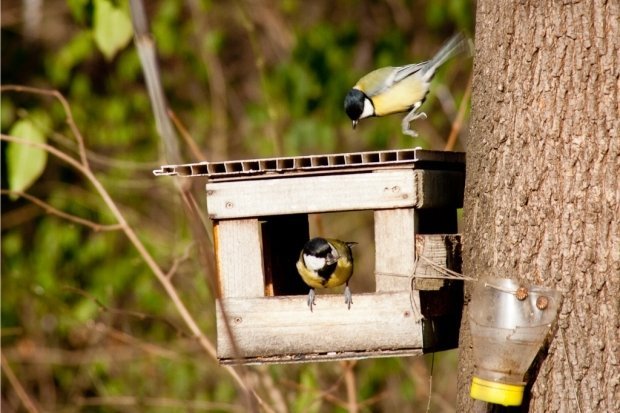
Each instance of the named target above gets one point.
<point>103,160</point>
<point>349,380</point>
<point>177,261</point>
<point>135,314</point>
<point>67,108</point>
<point>130,340</point>
<point>129,232</point>
<point>458,122</point>
<point>19,389</point>
<point>148,259</point>
<point>69,217</point>
<point>148,58</point>
<point>191,143</point>
<point>161,402</point>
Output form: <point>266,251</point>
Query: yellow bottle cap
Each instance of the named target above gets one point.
<point>498,393</point>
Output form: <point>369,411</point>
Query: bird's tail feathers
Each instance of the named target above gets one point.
<point>456,45</point>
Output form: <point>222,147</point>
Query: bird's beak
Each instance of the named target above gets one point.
<point>355,123</point>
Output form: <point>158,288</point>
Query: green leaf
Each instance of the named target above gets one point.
<point>24,162</point>
<point>112,28</point>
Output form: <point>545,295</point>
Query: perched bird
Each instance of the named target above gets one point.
<point>326,263</point>
<point>399,89</point>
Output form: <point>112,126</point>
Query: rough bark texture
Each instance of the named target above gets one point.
<point>542,199</point>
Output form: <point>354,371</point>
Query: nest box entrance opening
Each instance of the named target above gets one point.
<point>283,238</point>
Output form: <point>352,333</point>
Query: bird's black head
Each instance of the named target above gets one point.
<point>354,104</point>
<point>318,247</point>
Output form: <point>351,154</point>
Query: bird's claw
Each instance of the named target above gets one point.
<point>410,132</point>
<point>348,297</point>
<point>410,118</point>
<point>311,296</point>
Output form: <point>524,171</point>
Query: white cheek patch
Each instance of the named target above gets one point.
<point>314,263</point>
<point>369,109</point>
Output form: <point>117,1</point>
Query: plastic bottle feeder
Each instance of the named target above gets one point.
<point>509,323</point>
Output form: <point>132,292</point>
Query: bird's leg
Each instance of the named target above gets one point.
<point>411,116</point>
<point>348,297</point>
<point>311,298</point>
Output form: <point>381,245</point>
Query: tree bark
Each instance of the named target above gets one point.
<point>542,201</point>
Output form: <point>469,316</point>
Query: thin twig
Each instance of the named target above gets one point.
<point>145,47</point>
<point>130,340</point>
<point>53,211</point>
<point>161,402</point>
<point>322,395</point>
<point>349,380</point>
<point>148,59</point>
<point>135,314</point>
<point>129,232</point>
<point>458,122</point>
<point>177,261</point>
<point>216,79</point>
<point>19,389</point>
<point>187,137</point>
<point>67,108</point>
<point>146,256</point>
<point>109,352</point>
<point>103,160</point>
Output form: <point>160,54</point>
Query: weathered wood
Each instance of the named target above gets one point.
<point>312,194</point>
<point>441,250</point>
<point>438,189</point>
<point>284,326</point>
<point>394,249</point>
<point>331,356</point>
<point>239,259</point>
<point>283,238</point>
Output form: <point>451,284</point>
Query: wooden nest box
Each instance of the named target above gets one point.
<point>260,209</point>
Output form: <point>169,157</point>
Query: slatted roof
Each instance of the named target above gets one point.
<point>317,164</point>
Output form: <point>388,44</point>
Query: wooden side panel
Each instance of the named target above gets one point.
<point>394,249</point>
<point>312,194</point>
<point>439,189</point>
<point>280,326</point>
<point>441,250</point>
<point>239,257</point>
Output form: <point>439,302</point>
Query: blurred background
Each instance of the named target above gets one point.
<point>85,324</point>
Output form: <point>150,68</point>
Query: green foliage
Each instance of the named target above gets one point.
<point>111,28</point>
<point>26,163</point>
<point>85,298</point>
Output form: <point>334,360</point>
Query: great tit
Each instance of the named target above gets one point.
<point>326,263</point>
<point>391,90</point>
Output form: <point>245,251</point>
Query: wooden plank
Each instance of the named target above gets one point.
<point>318,357</point>
<point>239,258</point>
<point>441,250</point>
<point>313,194</point>
<point>439,189</point>
<point>394,249</point>
<point>279,326</point>
<point>283,238</point>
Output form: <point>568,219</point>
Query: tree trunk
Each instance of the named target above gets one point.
<point>542,200</point>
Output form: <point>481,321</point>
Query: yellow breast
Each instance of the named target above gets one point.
<point>341,274</point>
<point>400,97</point>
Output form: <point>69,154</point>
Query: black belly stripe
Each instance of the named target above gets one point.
<point>326,272</point>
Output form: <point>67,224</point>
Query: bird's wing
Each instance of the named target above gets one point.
<point>377,81</point>
<point>382,79</point>
<point>406,71</point>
